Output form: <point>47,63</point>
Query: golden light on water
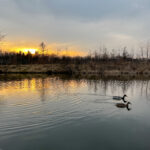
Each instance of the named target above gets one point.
<point>26,87</point>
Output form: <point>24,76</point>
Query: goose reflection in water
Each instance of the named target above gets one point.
<point>122,105</point>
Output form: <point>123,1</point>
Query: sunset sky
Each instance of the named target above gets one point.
<point>76,25</point>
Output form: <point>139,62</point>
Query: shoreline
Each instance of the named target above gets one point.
<point>18,76</point>
<point>71,69</point>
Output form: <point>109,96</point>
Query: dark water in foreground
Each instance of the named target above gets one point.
<point>68,114</point>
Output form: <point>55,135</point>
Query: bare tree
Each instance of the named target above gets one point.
<point>142,52</point>
<point>105,53</point>
<point>43,46</point>
<point>125,53</point>
<point>112,54</point>
<point>132,53</point>
<point>147,49</point>
<point>1,38</point>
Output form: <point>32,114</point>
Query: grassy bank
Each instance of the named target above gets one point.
<point>109,68</point>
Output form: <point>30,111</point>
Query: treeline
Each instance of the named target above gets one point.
<point>9,58</point>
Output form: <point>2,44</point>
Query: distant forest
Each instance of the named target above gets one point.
<point>9,58</point>
<point>41,57</point>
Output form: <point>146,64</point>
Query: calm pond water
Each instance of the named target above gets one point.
<point>53,113</point>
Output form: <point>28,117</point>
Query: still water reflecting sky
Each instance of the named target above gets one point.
<point>72,114</point>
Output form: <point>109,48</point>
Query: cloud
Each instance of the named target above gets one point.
<point>86,9</point>
<point>85,23</point>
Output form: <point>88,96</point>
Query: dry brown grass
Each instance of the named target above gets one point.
<point>91,68</point>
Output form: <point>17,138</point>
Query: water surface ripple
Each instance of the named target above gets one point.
<point>54,113</point>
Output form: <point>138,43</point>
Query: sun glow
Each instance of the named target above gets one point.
<point>26,50</point>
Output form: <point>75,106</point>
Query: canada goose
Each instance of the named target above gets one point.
<point>120,98</point>
<point>122,105</point>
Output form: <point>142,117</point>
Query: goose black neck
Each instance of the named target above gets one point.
<point>123,98</point>
<point>128,106</point>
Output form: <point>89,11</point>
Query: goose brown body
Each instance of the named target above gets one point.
<point>122,105</point>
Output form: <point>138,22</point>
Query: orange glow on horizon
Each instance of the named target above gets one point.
<point>58,49</point>
<point>70,53</point>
